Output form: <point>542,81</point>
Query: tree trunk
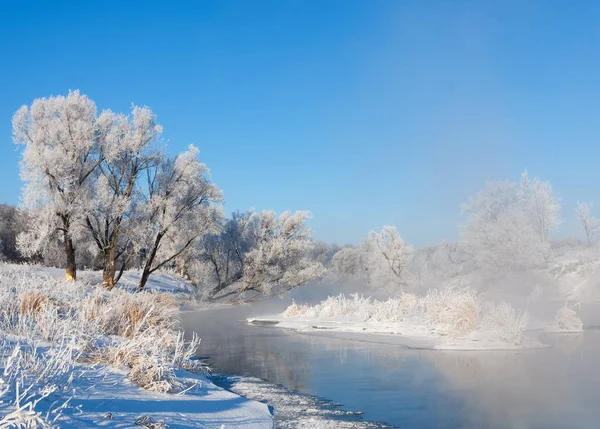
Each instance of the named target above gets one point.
<point>71,270</point>
<point>108,274</point>
<point>149,261</point>
<point>224,284</point>
<point>144,278</point>
<point>181,268</point>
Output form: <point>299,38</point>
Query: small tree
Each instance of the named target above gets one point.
<point>589,223</point>
<point>349,265</point>
<point>179,209</point>
<point>259,255</point>
<point>392,248</point>
<point>13,221</point>
<point>61,154</point>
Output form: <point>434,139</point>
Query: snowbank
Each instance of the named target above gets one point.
<point>75,355</point>
<point>443,319</point>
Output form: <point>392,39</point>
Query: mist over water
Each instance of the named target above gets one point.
<point>550,388</point>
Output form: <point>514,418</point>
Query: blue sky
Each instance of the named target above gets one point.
<point>364,112</point>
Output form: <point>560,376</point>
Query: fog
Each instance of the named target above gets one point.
<point>508,251</point>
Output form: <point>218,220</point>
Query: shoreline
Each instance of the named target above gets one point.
<point>401,334</point>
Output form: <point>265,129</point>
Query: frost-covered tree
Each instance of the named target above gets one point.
<point>433,264</point>
<point>180,207</point>
<point>540,205</point>
<point>380,262</point>
<point>386,257</point>
<point>280,260</point>
<point>221,256</point>
<point>508,224</point>
<point>60,155</point>
<point>391,246</point>
<point>13,221</point>
<point>349,265</point>
<point>589,222</point>
<point>507,243</point>
<point>324,252</point>
<point>127,144</point>
<point>259,255</point>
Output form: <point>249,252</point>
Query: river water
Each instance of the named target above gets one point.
<point>552,388</point>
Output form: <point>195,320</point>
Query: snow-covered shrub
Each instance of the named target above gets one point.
<point>355,307</point>
<point>504,322</point>
<point>139,332</point>
<point>566,320</point>
<point>123,313</point>
<point>295,310</point>
<point>454,312</point>
<point>152,355</point>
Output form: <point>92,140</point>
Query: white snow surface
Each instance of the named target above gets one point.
<point>99,395</point>
<point>402,334</point>
<point>105,397</point>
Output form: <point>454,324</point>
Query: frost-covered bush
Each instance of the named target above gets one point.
<point>152,355</point>
<point>504,322</point>
<point>454,312</point>
<point>139,332</point>
<point>125,314</point>
<point>566,320</point>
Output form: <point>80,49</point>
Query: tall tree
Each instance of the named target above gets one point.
<point>223,253</point>
<point>181,206</point>
<point>508,224</point>
<point>61,153</point>
<point>127,144</point>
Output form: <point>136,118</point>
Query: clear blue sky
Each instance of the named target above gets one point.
<point>364,112</point>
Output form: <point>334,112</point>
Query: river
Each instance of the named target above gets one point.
<point>552,388</point>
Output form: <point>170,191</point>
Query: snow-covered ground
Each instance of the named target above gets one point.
<point>75,355</point>
<point>99,395</point>
<point>576,275</point>
<point>402,334</point>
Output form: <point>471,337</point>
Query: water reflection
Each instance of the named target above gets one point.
<point>552,388</point>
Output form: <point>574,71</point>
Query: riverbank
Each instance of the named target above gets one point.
<point>75,355</point>
<point>400,334</point>
<point>442,319</point>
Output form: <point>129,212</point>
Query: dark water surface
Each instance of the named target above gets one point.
<point>557,387</point>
